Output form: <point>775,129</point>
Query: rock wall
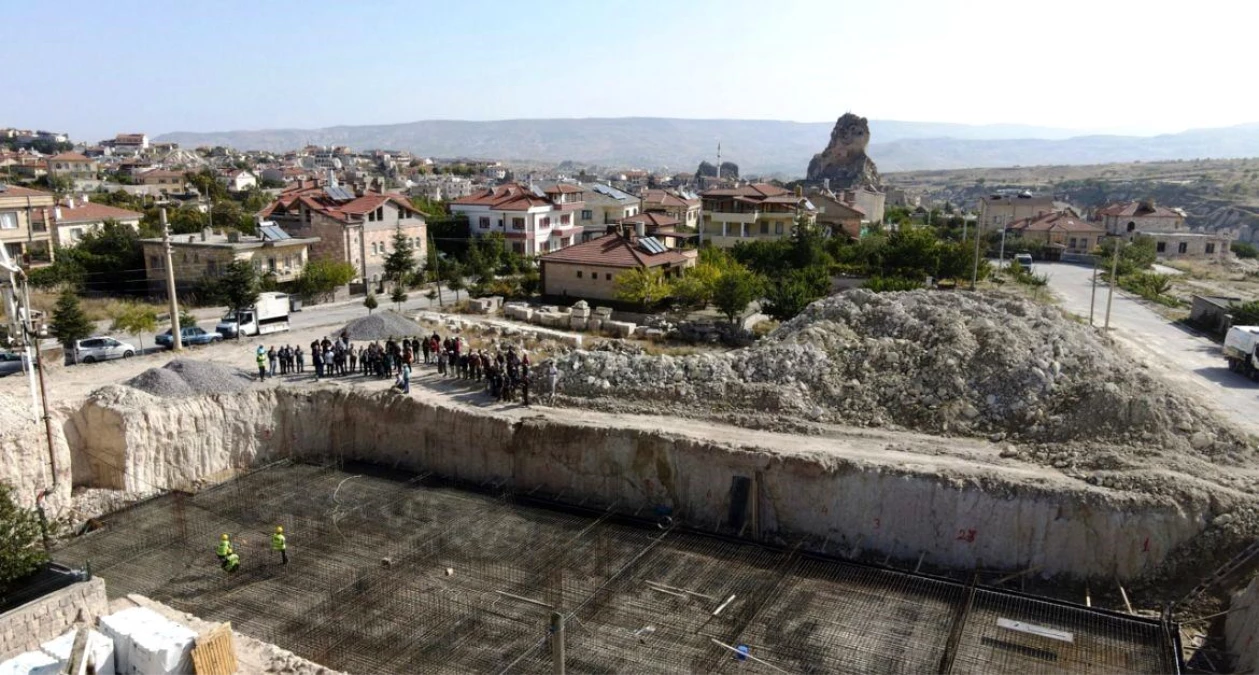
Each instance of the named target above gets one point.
<point>844,162</point>
<point>1241,630</point>
<point>855,496</point>
<point>25,628</point>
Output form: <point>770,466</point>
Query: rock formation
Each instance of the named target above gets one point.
<point>844,161</point>
<point>728,170</point>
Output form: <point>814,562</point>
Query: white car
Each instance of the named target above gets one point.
<point>102,348</point>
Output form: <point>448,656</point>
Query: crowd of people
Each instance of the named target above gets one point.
<point>504,372</point>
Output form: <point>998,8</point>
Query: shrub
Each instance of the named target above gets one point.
<point>1243,249</point>
<point>892,284</point>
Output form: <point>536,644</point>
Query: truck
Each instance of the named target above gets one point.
<point>270,314</point>
<point>1239,349</point>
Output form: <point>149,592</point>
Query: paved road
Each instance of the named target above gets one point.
<point>1176,353</point>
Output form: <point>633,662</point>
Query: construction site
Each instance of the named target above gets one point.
<point>885,486</point>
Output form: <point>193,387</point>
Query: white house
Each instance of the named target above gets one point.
<point>238,180</point>
<point>534,220</point>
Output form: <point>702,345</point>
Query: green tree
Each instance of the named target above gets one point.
<point>399,296</point>
<point>321,277</point>
<point>1135,256</point>
<point>454,273</point>
<point>1243,249</point>
<point>136,319</point>
<point>643,286</point>
<point>370,302</point>
<point>734,290</point>
<point>400,263</point>
<point>239,286</point>
<point>20,535</point>
<point>787,296</point>
<point>69,323</point>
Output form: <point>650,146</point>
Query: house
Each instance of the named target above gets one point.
<point>838,215</point>
<point>683,205</point>
<point>749,212</point>
<point>1065,231</point>
<point>870,202</point>
<point>659,225</point>
<point>26,241</point>
<point>71,165</point>
<point>357,228</point>
<point>238,180</point>
<point>589,270</point>
<point>207,254</point>
<point>534,220</point>
<point>130,143</point>
<point>164,180</point>
<point>73,218</point>
<point>1172,238</point>
<point>605,205</point>
<point>286,174</point>
<point>997,211</point>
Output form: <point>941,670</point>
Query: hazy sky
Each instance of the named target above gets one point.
<point>95,68</point>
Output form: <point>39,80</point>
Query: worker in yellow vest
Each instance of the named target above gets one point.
<point>278,544</point>
<point>224,548</point>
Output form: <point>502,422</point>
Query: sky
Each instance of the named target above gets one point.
<point>94,69</point>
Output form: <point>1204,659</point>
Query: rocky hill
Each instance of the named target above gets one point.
<point>844,162</point>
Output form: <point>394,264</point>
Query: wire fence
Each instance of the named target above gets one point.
<point>392,572</point>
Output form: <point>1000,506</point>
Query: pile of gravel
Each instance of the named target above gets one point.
<point>954,363</point>
<point>186,377</point>
<point>382,326</point>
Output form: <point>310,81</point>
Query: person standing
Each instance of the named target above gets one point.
<point>272,357</point>
<point>316,360</point>
<point>404,379</point>
<point>301,359</point>
<point>262,363</point>
<point>552,377</point>
<point>278,543</point>
<point>224,548</point>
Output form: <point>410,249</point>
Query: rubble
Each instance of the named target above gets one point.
<point>944,363</point>
<point>381,326</point>
<point>188,377</point>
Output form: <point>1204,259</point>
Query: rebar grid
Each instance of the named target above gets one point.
<point>398,573</point>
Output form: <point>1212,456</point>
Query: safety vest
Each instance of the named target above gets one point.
<point>224,548</point>
<point>277,542</point>
<point>233,561</point>
<point>262,360</point>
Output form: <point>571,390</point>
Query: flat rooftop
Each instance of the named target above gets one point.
<point>394,573</point>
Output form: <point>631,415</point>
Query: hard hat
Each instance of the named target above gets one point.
<point>279,529</point>
<point>224,537</point>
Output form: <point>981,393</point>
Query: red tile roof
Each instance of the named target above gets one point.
<point>88,213</point>
<point>665,198</point>
<point>69,157</point>
<point>15,191</point>
<point>755,191</point>
<point>1061,222</point>
<point>315,198</point>
<point>563,189</point>
<point>612,251</point>
<point>1138,210</point>
<point>505,197</point>
<point>652,219</point>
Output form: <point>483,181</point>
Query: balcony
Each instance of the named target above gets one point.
<point>569,206</point>
<point>732,217</point>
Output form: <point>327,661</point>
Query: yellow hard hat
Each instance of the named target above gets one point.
<point>224,537</point>
<point>279,529</point>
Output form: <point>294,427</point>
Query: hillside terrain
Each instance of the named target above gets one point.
<point>758,146</point>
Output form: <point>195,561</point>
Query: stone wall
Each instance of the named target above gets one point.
<point>1241,630</point>
<point>25,628</point>
<point>856,492</point>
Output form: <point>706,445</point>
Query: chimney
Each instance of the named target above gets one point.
<point>799,191</point>
<point>205,233</point>
<point>640,229</point>
<point>826,184</point>
<point>70,203</point>
<point>56,214</point>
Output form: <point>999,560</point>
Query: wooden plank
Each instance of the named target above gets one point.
<point>1033,629</point>
<point>215,653</point>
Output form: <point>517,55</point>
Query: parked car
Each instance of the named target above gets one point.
<point>102,348</point>
<point>192,335</point>
<point>11,363</point>
<point>1024,260</point>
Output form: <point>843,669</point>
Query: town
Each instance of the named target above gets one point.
<point>570,376</point>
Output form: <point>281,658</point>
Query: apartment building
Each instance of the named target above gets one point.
<point>750,212</point>
<point>997,211</point>
<point>605,205</point>
<point>206,255</point>
<point>534,220</point>
<point>683,205</point>
<point>71,219</point>
<point>26,241</point>
<point>72,165</point>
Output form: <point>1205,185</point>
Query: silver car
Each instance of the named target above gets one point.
<point>103,348</point>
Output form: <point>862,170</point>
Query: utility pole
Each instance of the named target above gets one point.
<point>974,275</point>
<point>557,643</point>
<point>176,336</point>
<point>1093,297</point>
<point>22,319</point>
<point>1114,272</point>
<point>1001,256</point>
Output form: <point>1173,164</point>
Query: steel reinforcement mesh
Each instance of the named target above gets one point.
<point>394,573</point>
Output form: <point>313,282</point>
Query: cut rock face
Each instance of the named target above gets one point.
<point>844,162</point>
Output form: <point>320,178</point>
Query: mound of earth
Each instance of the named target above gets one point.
<point>382,326</point>
<point>187,377</point>
<point>953,363</point>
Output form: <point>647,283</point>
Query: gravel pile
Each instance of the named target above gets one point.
<point>986,365</point>
<point>382,326</point>
<point>186,377</point>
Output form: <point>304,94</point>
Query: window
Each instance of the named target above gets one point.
<point>1210,248</point>
<point>1183,247</point>
<point>380,213</point>
<point>578,274</point>
<point>566,218</point>
<point>155,262</point>
<point>764,228</point>
<point>1132,226</point>
<point>607,277</point>
<point>371,216</point>
<point>211,268</point>
<point>8,221</point>
<point>587,214</point>
<point>545,221</point>
<point>1161,247</point>
<point>517,223</point>
<point>778,228</point>
<point>1071,243</point>
<point>517,247</point>
<point>484,222</point>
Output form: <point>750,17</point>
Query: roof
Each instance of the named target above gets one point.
<point>87,212</point>
<point>652,219</point>
<point>1141,209</point>
<point>334,202</point>
<point>216,240</point>
<point>161,173</point>
<point>613,251</point>
<point>609,191</point>
<point>563,189</point>
<point>16,191</point>
<point>1056,222</point>
<point>753,191</point>
<point>69,157</point>
<point>666,198</point>
<point>505,197</point>
<point>1025,199</point>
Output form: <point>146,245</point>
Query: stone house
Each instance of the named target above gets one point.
<point>1142,216</point>
<point>997,211</point>
<point>684,206</point>
<point>164,180</point>
<point>838,215</point>
<point>25,240</point>
<point>72,165</point>
<point>750,212</point>
<point>589,270</point>
<point>662,226</point>
<point>1067,231</point>
<point>73,218</point>
<point>206,255</point>
<point>1185,244</point>
<point>350,227</point>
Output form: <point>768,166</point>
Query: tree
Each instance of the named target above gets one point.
<point>643,286</point>
<point>370,302</point>
<point>136,319</point>
<point>454,274</point>
<point>321,277</point>
<point>399,296</point>
<point>20,536</point>
<point>734,290</point>
<point>1243,249</point>
<point>239,286</point>
<point>69,323</point>
<point>400,263</point>
<point>789,295</point>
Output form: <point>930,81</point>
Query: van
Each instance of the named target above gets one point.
<point>1024,260</point>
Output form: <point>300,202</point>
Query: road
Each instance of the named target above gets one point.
<point>1177,353</point>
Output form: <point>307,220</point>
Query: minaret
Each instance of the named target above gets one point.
<point>719,160</point>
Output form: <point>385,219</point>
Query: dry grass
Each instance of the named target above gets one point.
<point>96,309</point>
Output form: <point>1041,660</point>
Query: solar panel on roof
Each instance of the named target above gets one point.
<point>273,233</point>
<point>610,191</point>
<point>651,245</point>
<point>537,191</point>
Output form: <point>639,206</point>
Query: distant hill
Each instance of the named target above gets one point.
<point>758,146</point>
